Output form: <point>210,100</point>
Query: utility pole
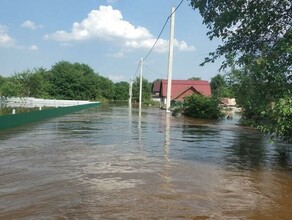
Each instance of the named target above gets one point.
<point>141,77</point>
<point>170,60</point>
<point>130,91</point>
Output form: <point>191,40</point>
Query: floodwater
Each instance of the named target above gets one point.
<point>111,162</point>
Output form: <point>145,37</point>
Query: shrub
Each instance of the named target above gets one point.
<point>198,106</point>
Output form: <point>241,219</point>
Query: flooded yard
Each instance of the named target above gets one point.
<point>114,162</point>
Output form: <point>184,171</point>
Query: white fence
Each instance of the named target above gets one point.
<point>29,102</point>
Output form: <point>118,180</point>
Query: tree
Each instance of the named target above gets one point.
<point>39,84</point>
<point>75,81</point>
<point>27,83</point>
<point>10,88</point>
<point>220,87</point>
<point>256,38</point>
<point>105,87</point>
<point>121,91</point>
<point>33,83</point>
<point>88,82</point>
<point>260,97</point>
<point>65,79</point>
<point>2,80</point>
<point>256,92</point>
<point>195,78</point>
<point>280,124</point>
<point>146,90</point>
<point>249,30</point>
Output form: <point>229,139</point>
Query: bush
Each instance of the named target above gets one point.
<point>198,106</point>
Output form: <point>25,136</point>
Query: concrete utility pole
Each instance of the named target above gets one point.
<point>130,91</point>
<point>141,77</point>
<point>170,60</point>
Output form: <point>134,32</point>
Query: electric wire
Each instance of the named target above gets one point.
<point>162,30</point>
<point>157,39</point>
<point>135,75</point>
<point>153,71</point>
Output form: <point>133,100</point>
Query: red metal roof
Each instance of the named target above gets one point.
<point>178,87</point>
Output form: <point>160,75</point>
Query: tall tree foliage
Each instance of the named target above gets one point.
<point>249,29</point>
<point>64,80</point>
<point>33,83</point>
<point>122,91</point>
<point>256,38</point>
<point>78,81</point>
<point>146,90</point>
<point>220,87</point>
<point>67,80</point>
<point>195,78</point>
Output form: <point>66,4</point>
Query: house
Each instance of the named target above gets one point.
<point>179,89</point>
<point>228,102</point>
<point>156,90</point>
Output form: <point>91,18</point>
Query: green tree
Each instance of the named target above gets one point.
<point>249,29</point>
<point>256,38</point>
<point>29,83</point>
<point>40,85</point>
<point>256,93</point>
<point>146,90</point>
<point>34,83</point>
<point>75,81</point>
<point>195,78</point>
<point>105,87</point>
<point>65,81</point>
<point>88,82</point>
<point>220,87</point>
<point>278,118</point>
<point>10,88</point>
<point>121,91</point>
<point>2,80</point>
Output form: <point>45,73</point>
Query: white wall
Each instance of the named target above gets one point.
<point>29,102</point>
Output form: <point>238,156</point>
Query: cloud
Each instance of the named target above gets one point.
<point>30,25</point>
<point>9,42</point>
<point>5,39</point>
<point>183,46</point>
<point>108,24</point>
<point>104,23</point>
<point>33,48</point>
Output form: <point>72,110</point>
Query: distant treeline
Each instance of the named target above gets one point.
<point>67,80</point>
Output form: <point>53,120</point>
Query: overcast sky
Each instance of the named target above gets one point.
<point>111,36</point>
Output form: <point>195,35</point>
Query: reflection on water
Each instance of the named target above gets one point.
<point>116,162</point>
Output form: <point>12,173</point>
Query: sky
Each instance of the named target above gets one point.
<point>111,36</point>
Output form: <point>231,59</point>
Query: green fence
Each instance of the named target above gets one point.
<point>10,121</point>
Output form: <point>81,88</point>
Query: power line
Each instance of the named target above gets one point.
<point>145,57</point>
<point>137,70</point>
<point>153,71</point>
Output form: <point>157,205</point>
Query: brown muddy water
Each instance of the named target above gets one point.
<point>113,163</point>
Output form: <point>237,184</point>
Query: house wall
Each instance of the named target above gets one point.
<point>228,101</point>
<point>186,93</point>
